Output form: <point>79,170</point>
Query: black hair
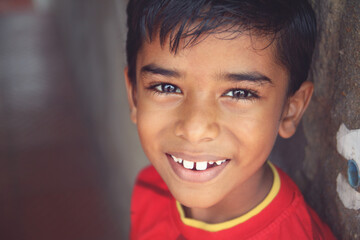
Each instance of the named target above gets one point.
<point>290,23</point>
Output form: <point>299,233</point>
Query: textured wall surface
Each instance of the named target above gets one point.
<point>336,75</point>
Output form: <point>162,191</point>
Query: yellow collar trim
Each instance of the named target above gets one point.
<point>231,223</point>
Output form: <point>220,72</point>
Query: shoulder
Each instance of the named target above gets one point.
<point>298,217</point>
<point>149,184</point>
<point>150,205</point>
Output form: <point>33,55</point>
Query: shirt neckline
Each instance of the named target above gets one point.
<point>215,227</point>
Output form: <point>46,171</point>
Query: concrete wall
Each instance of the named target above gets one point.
<point>316,159</point>
<point>317,156</point>
<point>336,73</point>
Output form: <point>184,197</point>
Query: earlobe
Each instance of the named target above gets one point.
<point>295,108</point>
<point>131,94</point>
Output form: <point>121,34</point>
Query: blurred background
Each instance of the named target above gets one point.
<point>69,154</point>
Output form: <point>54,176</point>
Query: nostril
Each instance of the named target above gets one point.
<point>197,130</point>
<point>353,173</point>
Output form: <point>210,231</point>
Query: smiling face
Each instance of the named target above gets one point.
<point>208,117</point>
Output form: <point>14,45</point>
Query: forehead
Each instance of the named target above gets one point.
<point>215,53</point>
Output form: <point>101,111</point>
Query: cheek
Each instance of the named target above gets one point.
<point>257,129</point>
<point>147,128</point>
<point>153,128</point>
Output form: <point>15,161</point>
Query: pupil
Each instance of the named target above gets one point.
<point>168,88</point>
<point>239,93</point>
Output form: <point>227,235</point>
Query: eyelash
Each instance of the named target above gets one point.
<point>242,94</point>
<point>162,86</point>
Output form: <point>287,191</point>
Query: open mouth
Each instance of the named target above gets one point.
<point>197,169</point>
<point>197,166</point>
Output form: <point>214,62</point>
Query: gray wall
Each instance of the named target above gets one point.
<point>312,157</point>
<point>336,72</point>
<point>94,34</point>
<point>94,31</point>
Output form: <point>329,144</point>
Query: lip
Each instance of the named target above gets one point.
<point>193,175</point>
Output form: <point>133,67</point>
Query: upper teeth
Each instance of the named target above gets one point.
<point>188,164</point>
<point>198,165</point>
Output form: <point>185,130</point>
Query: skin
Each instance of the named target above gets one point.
<point>225,98</point>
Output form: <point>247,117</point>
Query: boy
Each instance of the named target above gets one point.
<point>210,85</point>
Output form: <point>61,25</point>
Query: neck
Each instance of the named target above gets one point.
<point>237,203</point>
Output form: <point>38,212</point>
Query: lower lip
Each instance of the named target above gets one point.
<point>194,175</point>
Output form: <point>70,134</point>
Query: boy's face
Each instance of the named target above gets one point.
<point>217,100</point>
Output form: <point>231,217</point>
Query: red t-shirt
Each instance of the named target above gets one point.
<point>155,214</point>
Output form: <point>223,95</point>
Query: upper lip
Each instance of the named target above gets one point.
<point>197,157</point>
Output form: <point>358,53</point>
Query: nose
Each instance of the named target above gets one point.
<point>197,122</point>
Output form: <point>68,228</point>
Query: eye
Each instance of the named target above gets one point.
<point>166,88</point>
<point>241,94</point>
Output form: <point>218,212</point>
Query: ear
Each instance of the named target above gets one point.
<point>294,109</point>
<point>131,94</point>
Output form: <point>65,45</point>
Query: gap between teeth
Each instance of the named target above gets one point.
<point>200,166</point>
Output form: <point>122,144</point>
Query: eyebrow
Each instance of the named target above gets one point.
<point>154,69</point>
<point>255,77</point>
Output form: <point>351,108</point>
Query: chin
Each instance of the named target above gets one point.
<point>197,200</point>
